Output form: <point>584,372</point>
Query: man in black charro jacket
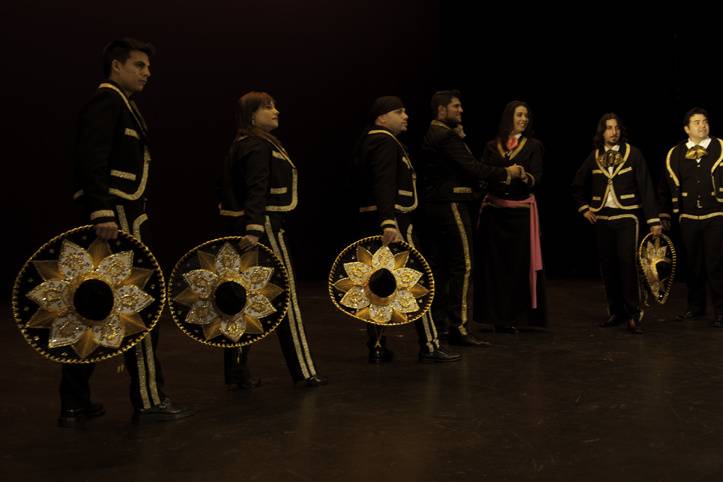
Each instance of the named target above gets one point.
<point>614,192</point>
<point>692,192</point>
<point>112,163</point>
<point>387,194</point>
<point>451,178</point>
<point>258,191</point>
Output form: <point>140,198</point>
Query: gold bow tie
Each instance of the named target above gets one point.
<point>612,158</point>
<point>696,152</point>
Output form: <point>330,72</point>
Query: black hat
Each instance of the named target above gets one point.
<point>658,261</point>
<point>385,104</point>
<point>81,299</point>
<point>381,285</point>
<point>226,295</point>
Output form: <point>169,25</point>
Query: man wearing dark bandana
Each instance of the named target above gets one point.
<point>692,192</point>
<point>387,194</point>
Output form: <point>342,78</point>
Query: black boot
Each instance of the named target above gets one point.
<point>464,338</point>
<point>165,412</point>
<point>439,355</point>
<point>76,417</point>
<point>378,351</point>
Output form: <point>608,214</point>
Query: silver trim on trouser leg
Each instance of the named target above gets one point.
<point>295,303</point>
<point>140,362</point>
<point>467,267</point>
<point>151,360</point>
<point>290,312</point>
<point>430,331</point>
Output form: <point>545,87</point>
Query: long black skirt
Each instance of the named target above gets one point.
<point>502,288</point>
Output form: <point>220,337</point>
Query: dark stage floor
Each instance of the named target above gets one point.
<point>578,403</point>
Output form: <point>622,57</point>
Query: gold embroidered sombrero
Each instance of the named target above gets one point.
<point>658,261</point>
<point>382,285</point>
<point>224,294</point>
<point>81,299</point>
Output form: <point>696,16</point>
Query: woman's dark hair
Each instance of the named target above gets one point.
<point>507,120</point>
<point>598,141</point>
<point>120,50</point>
<point>248,104</point>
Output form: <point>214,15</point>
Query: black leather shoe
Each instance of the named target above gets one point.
<point>512,330</point>
<point>689,315</point>
<point>247,384</point>
<point>380,354</point>
<point>439,356</point>
<point>466,340</point>
<point>634,326</point>
<point>313,381</point>
<point>165,412</point>
<point>75,417</point>
<point>718,323</point>
<point>614,320</point>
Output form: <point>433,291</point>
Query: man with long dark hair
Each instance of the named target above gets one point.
<point>112,162</point>
<point>614,192</point>
<point>451,178</point>
<point>692,192</point>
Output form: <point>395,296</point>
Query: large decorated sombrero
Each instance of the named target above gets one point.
<point>225,294</point>
<point>658,262</point>
<point>81,299</point>
<point>382,285</point>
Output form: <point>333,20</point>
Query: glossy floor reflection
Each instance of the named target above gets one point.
<point>578,403</point>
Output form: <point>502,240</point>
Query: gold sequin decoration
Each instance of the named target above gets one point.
<point>201,282</point>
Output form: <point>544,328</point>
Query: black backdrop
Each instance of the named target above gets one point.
<point>324,62</point>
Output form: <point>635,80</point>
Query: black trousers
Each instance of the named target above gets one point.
<point>141,363</point>
<point>503,270</point>
<point>618,238</point>
<point>290,332</point>
<point>144,369</point>
<point>426,330</point>
<point>446,236</point>
<point>703,244</point>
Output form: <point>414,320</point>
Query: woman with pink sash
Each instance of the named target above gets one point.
<point>510,278</point>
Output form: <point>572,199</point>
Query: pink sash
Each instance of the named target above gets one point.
<point>535,247</point>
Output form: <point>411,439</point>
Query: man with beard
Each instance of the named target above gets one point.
<point>451,179</point>
<point>614,192</point>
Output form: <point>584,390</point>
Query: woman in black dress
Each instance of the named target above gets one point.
<point>511,284</point>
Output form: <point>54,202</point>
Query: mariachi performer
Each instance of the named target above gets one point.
<point>259,188</point>
<point>511,290</point>
<point>451,181</point>
<point>387,194</point>
<point>112,162</point>
<point>613,191</point>
<point>691,192</point>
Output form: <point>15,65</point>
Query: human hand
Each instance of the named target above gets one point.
<point>107,230</point>
<point>391,235</point>
<point>248,241</point>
